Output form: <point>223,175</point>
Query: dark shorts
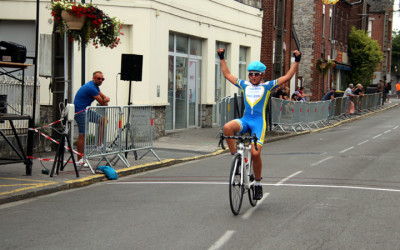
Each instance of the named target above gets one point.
<point>80,119</point>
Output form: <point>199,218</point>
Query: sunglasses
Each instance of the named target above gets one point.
<point>100,79</point>
<point>254,74</point>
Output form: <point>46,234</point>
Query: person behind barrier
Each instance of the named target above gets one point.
<point>284,93</point>
<point>349,93</point>
<point>256,98</point>
<point>83,99</point>
<point>386,92</point>
<point>378,88</point>
<point>294,97</point>
<point>297,96</point>
<point>358,92</point>
<point>304,96</point>
<point>398,90</point>
<point>330,95</point>
<point>275,93</point>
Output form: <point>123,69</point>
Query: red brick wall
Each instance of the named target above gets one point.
<point>377,30</point>
<point>268,37</point>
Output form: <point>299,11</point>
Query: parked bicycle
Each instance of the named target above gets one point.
<point>241,178</point>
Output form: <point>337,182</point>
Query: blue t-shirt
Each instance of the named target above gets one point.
<point>85,96</point>
<point>327,96</point>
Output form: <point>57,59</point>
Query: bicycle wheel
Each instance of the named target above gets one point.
<point>251,191</point>
<point>236,190</point>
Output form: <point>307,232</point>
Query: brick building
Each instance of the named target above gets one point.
<point>380,28</point>
<point>278,39</point>
<point>323,34</point>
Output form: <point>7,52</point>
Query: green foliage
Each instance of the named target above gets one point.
<point>396,52</point>
<point>365,55</point>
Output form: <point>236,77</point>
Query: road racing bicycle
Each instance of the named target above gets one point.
<point>241,178</point>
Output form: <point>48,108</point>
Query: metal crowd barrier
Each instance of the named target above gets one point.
<point>113,130</point>
<point>296,116</point>
<point>230,108</point>
<point>19,100</point>
<point>137,130</point>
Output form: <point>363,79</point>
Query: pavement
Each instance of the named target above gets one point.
<point>176,147</point>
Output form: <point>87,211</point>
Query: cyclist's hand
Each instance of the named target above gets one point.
<point>297,55</point>
<point>221,53</point>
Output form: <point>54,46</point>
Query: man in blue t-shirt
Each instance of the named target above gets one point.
<point>83,99</point>
<point>330,95</point>
<point>256,98</point>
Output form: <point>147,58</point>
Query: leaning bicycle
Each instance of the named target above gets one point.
<point>241,178</point>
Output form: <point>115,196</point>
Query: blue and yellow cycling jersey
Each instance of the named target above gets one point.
<point>255,103</point>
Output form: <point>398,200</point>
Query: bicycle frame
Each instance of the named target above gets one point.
<point>242,150</point>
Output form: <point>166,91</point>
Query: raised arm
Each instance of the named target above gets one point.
<point>224,68</point>
<point>293,69</point>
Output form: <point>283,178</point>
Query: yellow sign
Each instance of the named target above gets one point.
<point>330,1</point>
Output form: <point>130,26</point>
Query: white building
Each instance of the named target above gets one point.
<point>178,40</point>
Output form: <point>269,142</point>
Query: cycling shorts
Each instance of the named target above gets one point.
<point>256,125</point>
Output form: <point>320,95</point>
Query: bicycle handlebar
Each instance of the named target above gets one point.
<point>240,138</point>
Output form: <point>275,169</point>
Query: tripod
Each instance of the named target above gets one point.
<point>59,158</point>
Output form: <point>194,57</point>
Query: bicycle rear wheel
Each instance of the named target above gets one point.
<point>236,189</point>
<point>251,191</point>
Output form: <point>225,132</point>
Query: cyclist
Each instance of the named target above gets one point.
<point>256,95</point>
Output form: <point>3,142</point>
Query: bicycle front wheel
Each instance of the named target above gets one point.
<point>251,192</point>
<point>236,189</point>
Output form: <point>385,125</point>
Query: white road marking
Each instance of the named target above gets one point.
<point>347,149</point>
<point>376,136</point>
<point>395,127</point>
<point>321,161</point>
<point>361,143</point>
<point>287,178</point>
<point>343,187</point>
<point>221,241</point>
<point>169,182</point>
<point>249,212</point>
<point>267,184</point>
<point>387,131</point>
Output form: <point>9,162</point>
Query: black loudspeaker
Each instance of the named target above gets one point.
<point>131,67</point>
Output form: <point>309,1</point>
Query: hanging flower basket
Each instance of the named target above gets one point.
<point>323,66</point>
<point>86,23</point>
<point>73,22</point>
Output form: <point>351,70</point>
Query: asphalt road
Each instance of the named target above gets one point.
<point>335,189</point>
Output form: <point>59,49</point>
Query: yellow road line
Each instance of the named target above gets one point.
<point>17,179</point>
<point>26,188</point>
<point>13,185</point>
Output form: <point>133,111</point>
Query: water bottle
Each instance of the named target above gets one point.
<point>246,163</point>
